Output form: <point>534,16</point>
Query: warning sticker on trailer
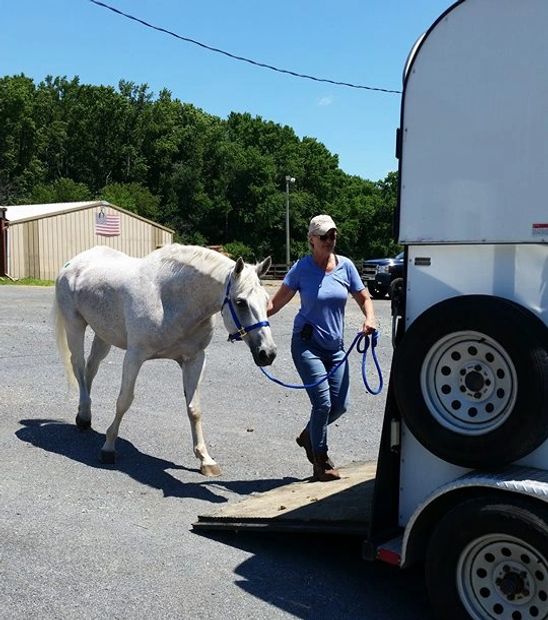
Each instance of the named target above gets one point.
<point>540,229</point>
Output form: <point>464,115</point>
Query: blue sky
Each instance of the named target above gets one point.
<point>359,41</point>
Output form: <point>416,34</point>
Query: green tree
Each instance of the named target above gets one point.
<point>213,180</point>
<point>132,196</point>
<point>235,249</point>
<point>62,190</point>
<point>20,168</point>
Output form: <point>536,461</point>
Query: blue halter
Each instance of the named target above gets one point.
<point>242,331</point>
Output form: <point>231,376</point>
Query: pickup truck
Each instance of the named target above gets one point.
<point>379,273</point>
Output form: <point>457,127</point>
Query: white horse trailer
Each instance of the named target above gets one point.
<point>461,482</point>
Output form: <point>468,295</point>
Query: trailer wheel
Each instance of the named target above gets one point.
<point>488,558</point>
<point>471,380</point>
<point>375,291</point>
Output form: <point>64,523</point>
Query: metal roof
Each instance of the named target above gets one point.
<point>21,213</point>
<point>16,213</point>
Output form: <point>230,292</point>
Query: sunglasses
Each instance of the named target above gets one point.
<point>330,235</point>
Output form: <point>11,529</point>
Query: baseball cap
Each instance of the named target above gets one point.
<point>321,224</point>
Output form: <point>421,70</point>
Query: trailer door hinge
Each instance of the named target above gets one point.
<point>398,143</point>
<point>394,434</point>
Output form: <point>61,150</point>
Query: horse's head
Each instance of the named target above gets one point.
<point>244,310</point>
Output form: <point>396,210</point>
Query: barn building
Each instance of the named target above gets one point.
<point>37,240</point>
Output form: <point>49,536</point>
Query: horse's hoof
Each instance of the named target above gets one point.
<point>210,470</point>
<point>108,457</point>
<point>82,423</point>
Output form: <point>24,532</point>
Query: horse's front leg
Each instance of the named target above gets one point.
<point>192,375</point>
<point>133,360</point>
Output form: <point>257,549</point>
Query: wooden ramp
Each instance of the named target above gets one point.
<point>341,506</point>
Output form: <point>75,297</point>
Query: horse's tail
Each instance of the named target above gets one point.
<point>62,343</point>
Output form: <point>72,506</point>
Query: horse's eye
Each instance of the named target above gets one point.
<point>241,303</point>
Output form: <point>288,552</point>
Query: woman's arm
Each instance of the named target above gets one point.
<point>281,297</point>
<point>364,301</point>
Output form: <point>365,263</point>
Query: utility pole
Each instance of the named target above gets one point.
<point>288,179</point>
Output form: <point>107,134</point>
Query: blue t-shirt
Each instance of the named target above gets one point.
<point>323,298</point>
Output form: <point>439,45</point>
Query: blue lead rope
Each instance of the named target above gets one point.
<point>374,341</point>
<point>361,349</point>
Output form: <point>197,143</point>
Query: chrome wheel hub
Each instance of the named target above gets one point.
<point>500,576</point>
<point>469,383</point>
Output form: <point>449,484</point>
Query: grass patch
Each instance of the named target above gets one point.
<point>26,282</point>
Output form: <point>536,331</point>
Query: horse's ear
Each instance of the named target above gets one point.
<point>263,267</point>
<point>239,266</point>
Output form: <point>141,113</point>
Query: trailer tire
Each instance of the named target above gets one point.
<point>376,292</point>
<point>471,380</point>
<point>488,558</point>
<point>397,296</point>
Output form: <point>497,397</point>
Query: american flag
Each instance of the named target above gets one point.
<point>107,225</point>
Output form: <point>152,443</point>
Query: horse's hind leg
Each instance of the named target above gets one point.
<point>133,360</point>
<point>99,350</point>
<point>192,375</point>
<point>75,330</point>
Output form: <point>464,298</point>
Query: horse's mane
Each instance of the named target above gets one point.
<point>176,257</point>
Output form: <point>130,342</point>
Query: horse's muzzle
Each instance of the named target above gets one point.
<point>265,357</point>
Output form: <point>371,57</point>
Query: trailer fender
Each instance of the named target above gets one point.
<point>527,482</point>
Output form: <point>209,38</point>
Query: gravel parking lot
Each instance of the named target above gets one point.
<point>85,540</point>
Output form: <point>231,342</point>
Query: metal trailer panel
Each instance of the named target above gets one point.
<point>421,473</point>
<point>473,156</point>
<point>515,272</point>
<point>474,137</point>
<point>435,472</point>
<point>437,272</point>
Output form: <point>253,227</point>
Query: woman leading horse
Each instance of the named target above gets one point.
<point>324,280</point>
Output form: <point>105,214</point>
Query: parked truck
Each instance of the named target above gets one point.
<point>461,480</point>
<point>380,273</point>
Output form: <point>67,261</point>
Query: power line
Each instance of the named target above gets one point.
<point>241,58</point>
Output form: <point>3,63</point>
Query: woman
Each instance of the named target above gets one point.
<point>323,280</point>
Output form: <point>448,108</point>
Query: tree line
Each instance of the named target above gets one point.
<point>213,180</point>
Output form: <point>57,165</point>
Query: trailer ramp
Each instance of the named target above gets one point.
<point>340,506</point>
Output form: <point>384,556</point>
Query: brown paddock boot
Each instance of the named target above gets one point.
<point>323,471</point>
<point>303,440</point>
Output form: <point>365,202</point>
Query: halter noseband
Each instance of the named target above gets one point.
<point>242,331</point>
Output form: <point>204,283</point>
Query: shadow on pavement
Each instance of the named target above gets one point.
<point>84,447</point>
<point>320,576</point>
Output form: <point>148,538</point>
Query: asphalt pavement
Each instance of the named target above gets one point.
<point>83,540</point>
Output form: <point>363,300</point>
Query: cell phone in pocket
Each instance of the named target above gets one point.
<point>306,332</point>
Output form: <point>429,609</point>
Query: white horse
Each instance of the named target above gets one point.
<point>159,306</point>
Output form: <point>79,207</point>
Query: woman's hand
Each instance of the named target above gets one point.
<point>363,299</point>
<point>369,327</point>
